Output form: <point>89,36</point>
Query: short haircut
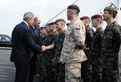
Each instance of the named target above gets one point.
<point>28,15</point>
<point>35,19</point>
<point>114,13</point>
<point>100,19</point>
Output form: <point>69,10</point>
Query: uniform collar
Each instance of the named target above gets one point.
<point>110,26</point>
<point>74,20</point>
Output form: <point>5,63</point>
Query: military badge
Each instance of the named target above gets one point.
<point>91,33</point>
<point>77,30</point>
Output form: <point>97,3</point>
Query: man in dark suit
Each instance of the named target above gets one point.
<point>36,36</point>
<point>22,43</point>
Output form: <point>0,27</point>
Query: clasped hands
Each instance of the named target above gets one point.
<point>43,48</point>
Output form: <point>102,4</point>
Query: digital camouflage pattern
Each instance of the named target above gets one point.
<point>72,52</point>
<point>95,53</point>
<point>59,67</point>
<point>110,49</point>
<point>87,65</point>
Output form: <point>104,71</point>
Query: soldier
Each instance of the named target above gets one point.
<point>72,52</point>
<point>38,73</point>
<point>58,44</point>
<point>110,46</point>
<point>119,60</point>
<point>87,65</point>
<point>95,50</point>
<point>49,54</point>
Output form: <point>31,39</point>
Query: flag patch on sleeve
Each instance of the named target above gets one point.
<point>77,30</point>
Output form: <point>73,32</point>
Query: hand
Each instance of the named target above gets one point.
<point>40,55</point>
<point>62,62</point>
<point>53,62</point>
<point>43,48</point>
<point>85,49</point>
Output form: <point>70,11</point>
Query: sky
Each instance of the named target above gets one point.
<point>12,11</point>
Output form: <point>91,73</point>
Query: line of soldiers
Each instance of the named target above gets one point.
<point>102,54</point>
<point>49,67</point>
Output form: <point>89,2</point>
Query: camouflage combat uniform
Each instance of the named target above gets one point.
<point>59,67</point>
<point>119,60</point>
<point>87,65</point>
<point>72,55</point>
<point>110,49</point>
<point>95,53</point>
<point>39,58</point>
<point>40,77</point>
<point>48,55</point>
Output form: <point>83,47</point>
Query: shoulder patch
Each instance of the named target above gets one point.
<point>77,30</point>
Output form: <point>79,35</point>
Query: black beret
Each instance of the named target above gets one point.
<point>96,16</point>
<point>73,6</point>
<point>110,9</point>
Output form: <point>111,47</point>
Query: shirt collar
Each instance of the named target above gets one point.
<point>26,23</point>
<point>33,27</point>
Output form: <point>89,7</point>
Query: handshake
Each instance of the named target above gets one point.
<point>44,48</point>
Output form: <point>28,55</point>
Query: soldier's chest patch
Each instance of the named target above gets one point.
<point>91,33</point>
<point>77,30</point>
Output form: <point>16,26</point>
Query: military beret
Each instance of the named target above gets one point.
<point>41,27</point>
<point>73,6</point>
<point>60,20</point>
<point>110,9</point>
<point>84,17</point>
<point>52,23</point>
<point>44,27</point>
<point>96,16</point>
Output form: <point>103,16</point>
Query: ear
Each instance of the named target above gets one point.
<point>111,14</point>
<point>98,21</point>
<point>86,21</point>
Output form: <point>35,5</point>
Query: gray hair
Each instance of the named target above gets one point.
<point>28,15</point>
<point>36,19</point>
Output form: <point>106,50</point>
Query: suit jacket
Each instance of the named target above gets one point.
<point>36,38</point>
<point>22,43</point>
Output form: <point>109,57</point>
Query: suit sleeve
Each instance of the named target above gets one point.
<point>79,34</point>
<point>30,42</point>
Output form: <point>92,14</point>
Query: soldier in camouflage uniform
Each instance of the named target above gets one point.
<point>38,75</point>
<point>72,53</point>
<point>119,60</point>
<point>95,50</point>
<point>47,66</point>
<point>87,65</point>
<point>58,44</point>
<point>110,46</point>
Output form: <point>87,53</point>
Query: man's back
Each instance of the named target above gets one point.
<point>21,43</point>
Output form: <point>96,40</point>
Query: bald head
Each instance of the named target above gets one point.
<point>37,22</point>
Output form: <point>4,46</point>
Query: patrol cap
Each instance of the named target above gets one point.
<point>96,16</point>
<point>110,9</point>
<point>84,17</point>
<point>52,23</point>
<point>60,20</point>
<point>73,6</point>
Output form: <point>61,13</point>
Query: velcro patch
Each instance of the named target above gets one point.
<point>77,30</point>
